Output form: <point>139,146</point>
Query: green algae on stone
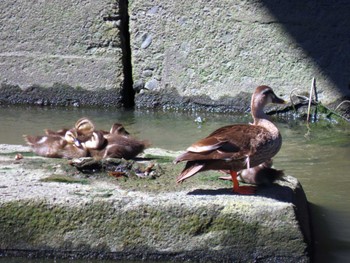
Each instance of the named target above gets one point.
<point>58,178</point>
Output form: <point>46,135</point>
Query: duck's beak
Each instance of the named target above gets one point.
<point>77,142</point>
<point>278,100</point>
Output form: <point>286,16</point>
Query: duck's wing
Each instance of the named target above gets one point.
<point>124,147</point>
<point>227,143</point>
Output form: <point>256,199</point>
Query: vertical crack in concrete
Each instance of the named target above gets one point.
<point>127,93</point>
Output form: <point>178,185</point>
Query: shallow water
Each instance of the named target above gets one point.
<point>319,158</point>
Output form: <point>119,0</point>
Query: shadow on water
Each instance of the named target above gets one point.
<point>321,29</point>
<point>320,232</point>
<point>328,246</point>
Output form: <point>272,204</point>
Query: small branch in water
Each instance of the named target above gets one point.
<point>336,108</point>
<point>341,103</point>
<point>310,99</point>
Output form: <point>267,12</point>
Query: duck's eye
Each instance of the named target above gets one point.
<point>267,92</point>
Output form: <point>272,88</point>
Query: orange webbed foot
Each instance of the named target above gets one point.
<point>244,190</point>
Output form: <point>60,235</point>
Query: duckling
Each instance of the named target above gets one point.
<point>236,147</point>
<point>119,129</point>
<point>263,174</point>
<point>114,146</point>
<point>56,146</point>
<point>73,148</point>
<point>96,144</point>
<point>84,128</point>
<point>116,128</point>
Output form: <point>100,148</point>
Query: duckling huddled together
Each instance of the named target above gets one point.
<point>244,151</point>
<point>84,140</point>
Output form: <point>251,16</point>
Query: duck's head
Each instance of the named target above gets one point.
<point>262,96</point>
<point>84,126</point>
<point>96,141</point>
<point>71,138</point>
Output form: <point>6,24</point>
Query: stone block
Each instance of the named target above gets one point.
<point>215,50</point>
<point>69,43</point>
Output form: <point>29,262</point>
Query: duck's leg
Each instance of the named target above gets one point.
<point>244,190</point>
<point>248,162</point>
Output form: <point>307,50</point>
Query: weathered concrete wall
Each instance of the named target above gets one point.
<point>138,218</point>
<point>221,49</point>
<point>71,43</point>
<point>208,53</point>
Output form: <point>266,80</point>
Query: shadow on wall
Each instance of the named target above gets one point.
<point>321,28</point>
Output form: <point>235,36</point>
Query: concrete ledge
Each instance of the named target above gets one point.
<point>100,216</point>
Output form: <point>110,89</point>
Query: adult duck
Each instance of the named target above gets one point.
<point>236,147</point>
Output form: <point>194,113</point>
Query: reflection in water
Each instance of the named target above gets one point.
<point>320,160</point>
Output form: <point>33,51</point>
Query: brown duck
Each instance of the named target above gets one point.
<point>236,147</point>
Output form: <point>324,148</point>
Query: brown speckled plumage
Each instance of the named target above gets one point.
<point>56,146</point>
<point>114,145</point>
<point>236,147</point>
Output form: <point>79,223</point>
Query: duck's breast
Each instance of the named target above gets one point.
<point>266,147</point>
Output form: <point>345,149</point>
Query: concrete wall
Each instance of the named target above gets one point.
<point>70,42</point>
<point>205,52</point>
<point>220,49</point>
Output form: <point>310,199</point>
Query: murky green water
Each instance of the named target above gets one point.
<point>319,160</point>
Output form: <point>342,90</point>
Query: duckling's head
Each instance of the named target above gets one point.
<point>262,96</point>
<point>118,128</point>
<point>84,126</point>
<point>96,141</point>
<point>71,137</point>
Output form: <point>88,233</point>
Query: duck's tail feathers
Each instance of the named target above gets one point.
<point>30,140</point>
<point>190,169</point>
<point>146,143</point>
<point>278,175</point>
<point>270,175</point>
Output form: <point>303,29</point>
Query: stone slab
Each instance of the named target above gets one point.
<point>103,219</point>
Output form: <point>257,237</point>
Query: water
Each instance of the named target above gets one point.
<point>319,158</point>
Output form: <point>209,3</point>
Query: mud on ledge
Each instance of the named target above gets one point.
<point>67,96</point>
